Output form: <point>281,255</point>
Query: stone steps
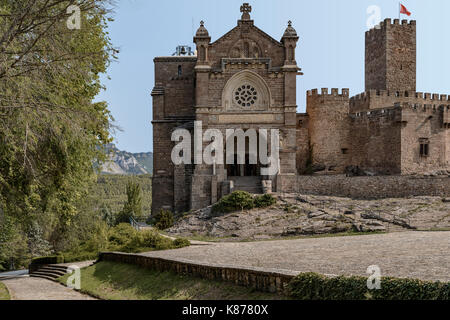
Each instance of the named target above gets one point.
<point>249,184</point>
<point>50,272</point>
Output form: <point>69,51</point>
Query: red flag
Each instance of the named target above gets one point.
<point>403,10</point>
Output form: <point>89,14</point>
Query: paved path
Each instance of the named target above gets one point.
<point>13,274</point>
<point>26,288</point>
<point>421,255</point>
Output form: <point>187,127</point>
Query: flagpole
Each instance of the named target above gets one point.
<point>399,10</point>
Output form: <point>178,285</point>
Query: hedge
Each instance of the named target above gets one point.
<point>48,260</point>
<point>313,286</point>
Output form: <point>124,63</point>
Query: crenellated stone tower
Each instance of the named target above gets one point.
<point>391,56</point>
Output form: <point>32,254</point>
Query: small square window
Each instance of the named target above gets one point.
<point>344,151</point>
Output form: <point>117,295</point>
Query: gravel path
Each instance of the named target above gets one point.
<point>421,255</point>
<point>27,288</point>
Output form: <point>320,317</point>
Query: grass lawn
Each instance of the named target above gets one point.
<point>117,281</point>
<point>4,294</point>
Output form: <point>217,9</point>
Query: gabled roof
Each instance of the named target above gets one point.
<point>253,27</point>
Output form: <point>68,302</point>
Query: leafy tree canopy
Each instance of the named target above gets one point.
<point>51,131</point>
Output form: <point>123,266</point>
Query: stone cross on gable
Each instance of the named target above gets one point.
<point>246,9</point>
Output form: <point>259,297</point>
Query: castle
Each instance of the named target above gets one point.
<point>246,79</point>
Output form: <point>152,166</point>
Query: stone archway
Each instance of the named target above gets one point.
<point>246,91</point>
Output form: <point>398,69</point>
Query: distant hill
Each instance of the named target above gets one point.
<point>127,163</point>
<point>110,190</point>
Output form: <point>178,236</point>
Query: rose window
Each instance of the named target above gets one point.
<point>246,95</point>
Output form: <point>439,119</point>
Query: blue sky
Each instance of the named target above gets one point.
<point>330,50</point>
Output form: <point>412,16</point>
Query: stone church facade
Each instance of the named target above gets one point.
<point>246,79</point>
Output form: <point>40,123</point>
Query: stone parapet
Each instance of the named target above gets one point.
<point>257,278</point>
<point>378,187</point>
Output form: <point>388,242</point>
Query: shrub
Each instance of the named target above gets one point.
<point>313,286</point>
<point>411,289</point>
<point>48,260</point>
<point>264,201</point>
<point>241,200</point>
<point>181,242</point>
<point>123,238</point>
<point>151,239</point>
<point>163,219</point>
<point>238,200</point>
<point>99,240</point>
<point>121,234</point>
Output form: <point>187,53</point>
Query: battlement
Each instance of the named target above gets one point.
<point>377,113</point>
<point>400,94</point>
<point>399,110</point>
<point>324,93</point>
<point>388,23</point>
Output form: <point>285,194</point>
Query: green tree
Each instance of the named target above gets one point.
<point>13,244</point>
<point>133,207</point>
<point>163,219</point>
<point>51,131</point>
<point>107,215</point>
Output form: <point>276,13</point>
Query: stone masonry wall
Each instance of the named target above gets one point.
<point>163,168</point>
<point>424,122</point>
<point>387,140</point>
<point>302,143</point>
<point>376,141</point>
<point>329,128</point>
<point>370,188</point>
<point>265,281</point>
<point>179,89</point>
<point>173,106</point>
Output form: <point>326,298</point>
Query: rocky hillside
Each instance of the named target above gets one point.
<point>127,163</point>
<point>296,215</point>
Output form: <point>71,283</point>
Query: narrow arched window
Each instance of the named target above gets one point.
<point>180,71</point>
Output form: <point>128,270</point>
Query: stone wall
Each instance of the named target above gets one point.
<point>424,123</point>
<point>329,128</point>
<point>176,76</point>
<point>302,143</point>
<point>201,191</point>
<point>163,168</point>
<point>261,280</point>
<point>387,140</point>
<point>376,141</point>
<point>378,187</point>
<point>173,106</point>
